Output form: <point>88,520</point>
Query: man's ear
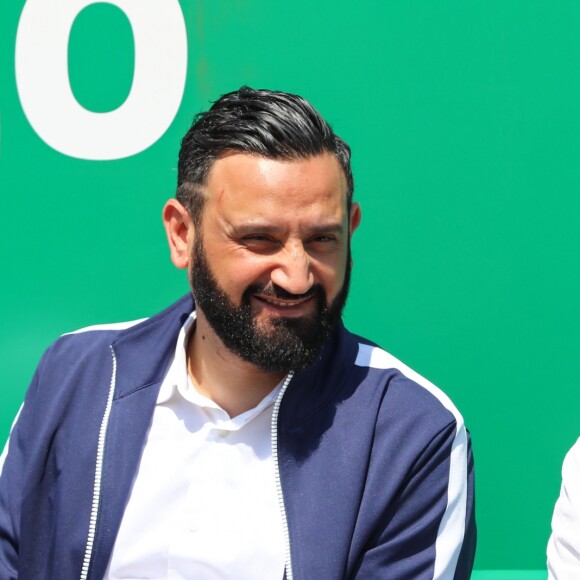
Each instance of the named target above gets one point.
<point>355,216</point>
<point>180,232</point>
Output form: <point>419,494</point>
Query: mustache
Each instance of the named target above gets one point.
<point>273,291</point>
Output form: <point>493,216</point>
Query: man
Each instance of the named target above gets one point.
<point>564,543</point>
<point>246,435</point>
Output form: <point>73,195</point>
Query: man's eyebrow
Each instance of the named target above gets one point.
<point>266,228</point>
<point>252,228</point>
<point>329,228</point>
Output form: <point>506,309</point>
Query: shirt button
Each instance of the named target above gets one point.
<point>223,433</point>
<point>192,527</point>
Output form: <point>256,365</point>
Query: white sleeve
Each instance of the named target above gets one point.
<point>5,450</point>
<point>564,543</point>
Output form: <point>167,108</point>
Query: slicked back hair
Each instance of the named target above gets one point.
<point>272,124</point>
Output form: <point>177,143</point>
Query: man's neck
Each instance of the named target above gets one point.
<point>217,373</point>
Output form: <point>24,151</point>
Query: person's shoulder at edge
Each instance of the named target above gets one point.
<point>564,543</point>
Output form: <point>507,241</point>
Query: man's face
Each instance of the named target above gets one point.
<point>270,261</point>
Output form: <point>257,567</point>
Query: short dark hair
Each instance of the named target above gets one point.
<point>273,124</point>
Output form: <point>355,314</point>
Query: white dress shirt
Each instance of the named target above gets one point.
<point>204,504</point>
<point>564,543</point>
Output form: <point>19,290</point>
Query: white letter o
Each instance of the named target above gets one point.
<point>46,95</point>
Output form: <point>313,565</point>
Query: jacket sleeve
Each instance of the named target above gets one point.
<point>430,532</point>
<point>564,543</point>
<point>9,502</point>
<point>12,484</point>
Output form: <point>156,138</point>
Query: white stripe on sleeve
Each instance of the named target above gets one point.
<point>5,450</point>
<point>452,527</point>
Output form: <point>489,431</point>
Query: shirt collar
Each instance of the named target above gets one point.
<point>177,372</point>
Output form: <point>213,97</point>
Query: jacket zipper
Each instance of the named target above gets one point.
<point>98,473</point>
<point>274,439</point>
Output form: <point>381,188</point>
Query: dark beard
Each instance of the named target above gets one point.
<point>287,343</point>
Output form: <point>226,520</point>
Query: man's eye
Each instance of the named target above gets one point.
<point>260,243</point>
<point>323,239</point>
<point>257,238</point>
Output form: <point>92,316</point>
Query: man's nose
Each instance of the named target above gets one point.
<point>293,270</point>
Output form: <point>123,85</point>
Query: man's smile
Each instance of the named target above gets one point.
<point>296,306</point>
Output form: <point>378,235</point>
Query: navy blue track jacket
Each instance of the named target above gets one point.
<point>375,462</point>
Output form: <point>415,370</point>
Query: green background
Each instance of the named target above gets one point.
<point>464,120</point>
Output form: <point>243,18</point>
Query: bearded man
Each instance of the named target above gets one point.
<point>243,433</point>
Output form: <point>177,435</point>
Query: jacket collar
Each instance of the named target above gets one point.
<point>145,351</point>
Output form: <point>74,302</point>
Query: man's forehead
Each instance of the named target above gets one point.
<point>238,172</point>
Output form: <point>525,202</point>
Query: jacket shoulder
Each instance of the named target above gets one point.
<point>85,339</point>
<point>404,389</point>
